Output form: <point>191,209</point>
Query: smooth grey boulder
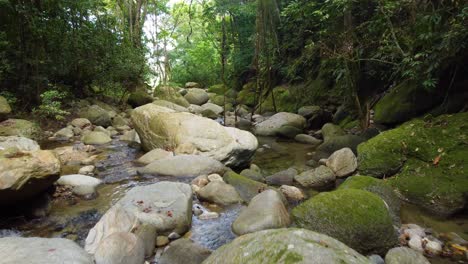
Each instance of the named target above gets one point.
<point>96,138</point>
<point>284,177</point>
<point>197,96</point>
<point>342,162</point>
<point>286,245</point>
<point>320,177</point>
<point>404,255</point>
<point>120,248</point>
<point>96,115</point>
<point>183,166</point>
<point>35,250</point>
<point>265,211</point>
<point>19,143</point>
<point>307,139</point>
<point>82,185</point>
<point>270,126</point>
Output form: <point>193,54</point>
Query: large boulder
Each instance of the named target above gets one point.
<point>170,94</point>
<point>219,192</point>
<point>197,96</point>
<point>403,102</point>
<point>161,127</point>
<point>5,108</point>
<point>35,250</point>
<point>342,162</point>
<point>183,166</point>
<point>428,159</point>
<point>26,175</point>
<point>265,211</point>
<point>184,251</point>
<point>289,245</point>
<point>356,217</point>
<point>96,115</point>
<point>270,126</point>
<point>21,128</point>
<point>18,143</point>
<point>218,110</point>
<point>139,98</point>
<point>120,248</point>
<point>158,208</point>
<point>377,187</point>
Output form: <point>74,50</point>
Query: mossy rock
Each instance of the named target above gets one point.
<point>333,144</point>
<point>139,98</point>
<point>378,187</point>
<point>247,188</point>
<point>171,94</point>
<point>286,246</point>
<point>21,128</point>
<point>428,159</point>
<point>247,95</point>
<point>288,131</point>
<point>217,89</point>
<point>405,101</point>
<point>330,130</point>
<point>5,108</point>
<point>358,218</point>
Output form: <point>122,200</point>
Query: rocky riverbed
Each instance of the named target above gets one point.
<point>165,183</point>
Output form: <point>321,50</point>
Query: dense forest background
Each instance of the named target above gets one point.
<point>271,55</point>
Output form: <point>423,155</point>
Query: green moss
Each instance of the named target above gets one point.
<point>20,127</point>
<point>403,102</point>
<point>409,151</point>
<point>171,94</point>
<point>378,187</point>
<point>217,89</point>
<point>246,187</point>
<point>357,218</point>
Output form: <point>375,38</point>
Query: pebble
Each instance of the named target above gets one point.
<point>292,193</point>
<point>173,236</point>
<point>197,209</point>
<point>208,215</point>
<point>215,177</point>
<point>411,232</point>
<point>416,243</point>
<point>161,241</point>
<point>87,170</point>
<point>433,247</point>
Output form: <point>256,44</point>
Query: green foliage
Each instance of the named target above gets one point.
<point>51,105</point>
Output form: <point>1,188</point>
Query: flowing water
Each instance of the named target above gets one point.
<point>73,219</point>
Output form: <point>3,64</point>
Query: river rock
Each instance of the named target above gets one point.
<point>139,98</point>
<point>219,192</point>
<point>170,105</point>
<point>81,123</point>
<point>87,170</point>
<point>404,255</point>
<point>35,250</point>
<point>216,109</point>
<point>96,138</point>
<point>27,175</point>
<point>292,193</point>
<point>153,155</point>
<point>288,132</point>
<point>284,177</point>
<point>197,96</point>
<point>289,245</point>
<point>184,251</point>
<point>255,175</point>
<point>64,134</point>
<point>96,115</point>
<point>120,248</point>
<point>130,137</point>
<point>356,217</point>
<point>309,110</point>
<point>246,187</point>
<point>321,177</point>
<point>171,94</point>
<point>432,175</point>
<point>69,155</point>
<point>265,211</point>
<point>5,108</point>
<point>119,121</point>
<point>82,185</point>
<point>195,109</point>
<point>333,144</point>
<point>19,143</point>
<point>158,208</point>
<point>270,126</point>
<point>21,128</point>
<point>215,177</point>
<point>330,130</point>
<point>183,166</point>
<point>307,139</point>
<point>342,162</point>
<point>189,85</point>
<point>160,127</point>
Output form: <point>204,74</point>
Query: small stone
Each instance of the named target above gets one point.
<point>411,232</point>
<point>215,177</point>
<point>292,193</point>
<point>173,236</point>
<point>208,215</point>
<point>433,247</point>
<point>87,170</point>
<point>416,243</point>
<point>197,209</point>
<point>162,241</point>
<point>323,161</point>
